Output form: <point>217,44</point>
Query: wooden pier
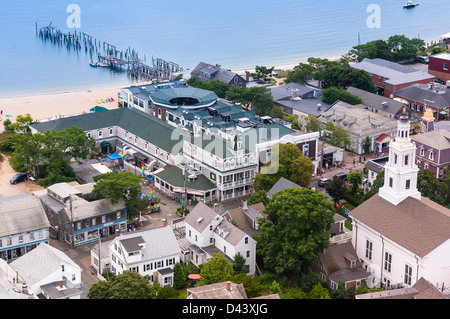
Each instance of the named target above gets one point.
<point>108,55</point>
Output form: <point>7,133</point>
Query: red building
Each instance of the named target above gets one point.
<point>389,77</point>
<point>439,66</point>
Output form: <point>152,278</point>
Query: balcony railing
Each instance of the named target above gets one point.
<point>341,238</point>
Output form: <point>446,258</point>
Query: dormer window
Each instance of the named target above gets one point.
<point>431,156</point>
<point>422,151</point>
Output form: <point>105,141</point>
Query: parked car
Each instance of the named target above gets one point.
<point>21,177</point>
<point>422,59</point>
<point>342,176</point>
<point>324,181</point>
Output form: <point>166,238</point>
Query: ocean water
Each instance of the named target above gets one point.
<point>233,33</point>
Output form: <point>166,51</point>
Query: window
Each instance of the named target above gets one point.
<point>73,277</point>
<point>422,151</point>
<point>100,133</point>
<point>156,151</point>
<point>431,156</point>
<point>118,215</point>
<point>445,66</point>
<point>31,237</point>
<point>387,282</point>
<point>246,240</point>
<point>110,131</point>
<point>103,219</point>
<point>247,254</point>
<point>395,158</point>
<point>135,140</point>
<point>79,225</point>
<point>391,181</point>
<point>406,160</point>
<point>62,268</point>
<point>94,221</point>
<point>408,184</point>
<point>210,227</point>
<point>369,249</point>
<point>21,238</point>
<point>408,275</point>
<point>387,261</point>
<point>146,146</point>
<point>88,134</point>
<point>9,241</point>
<point>225,249</point>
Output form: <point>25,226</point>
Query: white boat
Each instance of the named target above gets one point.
<point>410,4</point>
<point>93,63</point>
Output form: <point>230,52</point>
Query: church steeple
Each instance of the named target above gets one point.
<point>400,172</point>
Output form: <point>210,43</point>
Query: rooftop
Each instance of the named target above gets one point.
<point>393,72</point>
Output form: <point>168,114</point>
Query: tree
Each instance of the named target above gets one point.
<point>355,179</point>
<point>258,197</point>
<point>336,189</point>
<point>403,48</point>
<point>262,72</point>
<point>302,169</point>
<point>312,123</point>
<point>258,97</point>
<point>239,265</point>
<point>292,165</point>
<point>338,136</point>
<point>295,230</point>
<point>372,50</point>
<point>367,145</point>
<point>215,270</point>
<point>128,285</point>
<point>179,278</point>
<point>218,87</point>
<point>252,287</point>
<point>360,79</point>
<point>121,185</point>
<point>22,124</point>
<point>302,73</point>
<point>433,188</point>
<point>332,94</point>
<point>319,292</point>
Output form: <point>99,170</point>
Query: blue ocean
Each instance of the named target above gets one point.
<point>236,34</point>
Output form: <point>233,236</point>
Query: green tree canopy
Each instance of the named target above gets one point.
<point>295,230</point>
<point>218,87</point>
<point>332,94</point>
<point>337,135</point>
<point>128,285</point>
<point>336,189</point>
<point>121,185</point>
<point>215,270</point>
<point>292,165</point>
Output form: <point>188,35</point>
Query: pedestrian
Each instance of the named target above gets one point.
<point>353,161</point>
<point>326,165</point>
<point>1,112</point>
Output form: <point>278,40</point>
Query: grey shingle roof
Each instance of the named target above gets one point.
<point>40,263</point>
<point>394,72</point>
<point>22,214</point>
<point>280,185</point>
<point>418,225</point>
<point>435,139</point>
<point>419,92</point>
<point>376,101</point>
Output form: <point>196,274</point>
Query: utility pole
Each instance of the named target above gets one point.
<point>71,222</point>
<point>185,190</point>
<point>99,253</point>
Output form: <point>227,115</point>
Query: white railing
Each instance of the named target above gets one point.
<point>341,238</point>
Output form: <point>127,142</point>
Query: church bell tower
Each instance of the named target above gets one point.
<point>400,172</point>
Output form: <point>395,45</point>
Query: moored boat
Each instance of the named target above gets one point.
<point>93,63</point>
<point>410,4</point>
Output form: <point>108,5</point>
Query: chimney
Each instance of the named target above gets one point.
<point>117,232</point>
<point>247,76</point>
<point>164,222</point>
<point>228,286</point>
<point>60,284</point>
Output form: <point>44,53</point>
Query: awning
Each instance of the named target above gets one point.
<point>114,156</point>
<point>140,156</point>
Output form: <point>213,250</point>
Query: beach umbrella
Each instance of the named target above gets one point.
<point>194,276</point>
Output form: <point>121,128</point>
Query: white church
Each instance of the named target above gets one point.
<point>399,235</point>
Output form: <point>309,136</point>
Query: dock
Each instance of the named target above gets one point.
<point>108,55</point>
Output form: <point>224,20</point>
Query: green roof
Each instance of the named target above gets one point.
<point>136,122</point>
<point>173,176</point>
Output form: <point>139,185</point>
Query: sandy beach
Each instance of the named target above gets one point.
<point>48,106</point>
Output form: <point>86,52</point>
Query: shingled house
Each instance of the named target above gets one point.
<point>208,72</point>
